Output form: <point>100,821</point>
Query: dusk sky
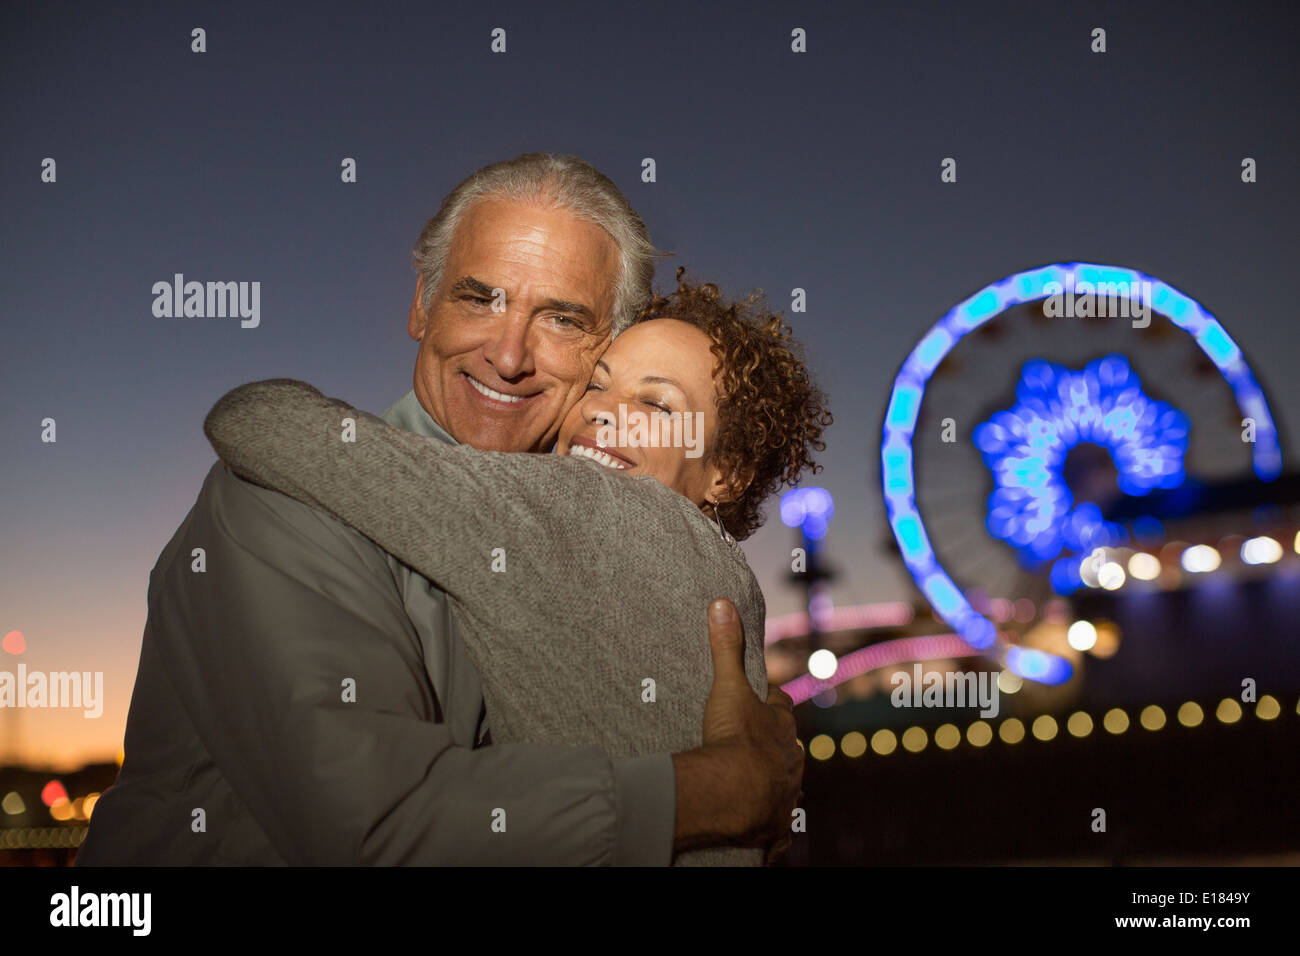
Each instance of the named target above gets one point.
<point>775,170</point>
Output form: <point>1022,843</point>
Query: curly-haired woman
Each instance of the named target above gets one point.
<point>576,574</point>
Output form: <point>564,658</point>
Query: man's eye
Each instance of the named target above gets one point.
<point>592,386</point>
<point>565,320</point>
<point>480,300</point>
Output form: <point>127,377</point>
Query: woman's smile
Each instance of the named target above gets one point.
<point>586,447</point>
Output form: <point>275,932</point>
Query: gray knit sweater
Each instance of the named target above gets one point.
<point>581,591</point>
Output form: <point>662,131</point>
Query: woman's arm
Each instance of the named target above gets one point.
<point>469,520</point>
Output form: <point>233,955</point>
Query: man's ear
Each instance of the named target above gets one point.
<point>418,320</point>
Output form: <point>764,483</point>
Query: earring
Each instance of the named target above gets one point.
<point>721,530</point>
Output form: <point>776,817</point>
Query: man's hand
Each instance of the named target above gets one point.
<point>741,786</point>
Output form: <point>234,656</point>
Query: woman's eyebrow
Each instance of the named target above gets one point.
<point>651,379</point>
<point>660,380</point>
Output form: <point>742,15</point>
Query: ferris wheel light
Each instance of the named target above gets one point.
<point>1025,449</point>
<point>1150,465</point>
<point>1038,666</point>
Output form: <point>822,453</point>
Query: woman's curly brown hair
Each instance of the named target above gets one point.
<point>770,414</point>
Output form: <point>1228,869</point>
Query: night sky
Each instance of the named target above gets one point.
<point>775,170</point>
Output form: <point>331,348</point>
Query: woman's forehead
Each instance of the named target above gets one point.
<point>663,340</point>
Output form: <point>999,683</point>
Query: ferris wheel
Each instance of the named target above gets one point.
<point>1028,410</point>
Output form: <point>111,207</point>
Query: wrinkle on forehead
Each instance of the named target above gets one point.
<point>555,253</point>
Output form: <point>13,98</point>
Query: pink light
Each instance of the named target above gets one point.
<point>851,617</point>
<point>14,643</point>
<point>822,610</point>
<point>928,648</point>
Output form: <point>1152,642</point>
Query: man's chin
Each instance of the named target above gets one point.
<point>502,439</point>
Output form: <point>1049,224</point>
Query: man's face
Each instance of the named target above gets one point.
<point>504,380</point>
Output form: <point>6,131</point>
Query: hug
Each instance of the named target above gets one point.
<point>354,679</point>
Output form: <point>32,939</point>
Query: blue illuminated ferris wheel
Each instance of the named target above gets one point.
<point>1038,423</point>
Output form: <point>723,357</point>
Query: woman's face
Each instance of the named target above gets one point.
<point>651,409</point>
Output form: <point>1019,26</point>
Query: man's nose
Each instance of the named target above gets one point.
<point>510,351</point>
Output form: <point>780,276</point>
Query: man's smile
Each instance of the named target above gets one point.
<point>494,397</point>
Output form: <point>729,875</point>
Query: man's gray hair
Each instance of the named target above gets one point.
<point>567,183</point>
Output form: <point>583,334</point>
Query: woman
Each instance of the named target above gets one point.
<point>580,578</point>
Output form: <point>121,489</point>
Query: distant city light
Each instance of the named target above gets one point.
<point>947,737</point>
<point>915,740</point>
<point>1200,559</point>
<point>1011,731</point>
<point>13,803</point>
<point>1045,727</point>
<point>1111,576</point>
<point>1152,717</point>
<point>822,664</point>
<point>1228,711</point>
<point>854,744</point>
<point>809,509</point>
<point>13,643</point>
<point>1115,721</point>
<point>979,733</point>
<point>1081,635</point>
<point>1009,683</point>
<point>1144,567</point>
<point>52,793</point>
<point>821,747</point>
<point>1262,550</point>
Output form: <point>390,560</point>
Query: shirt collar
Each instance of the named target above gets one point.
<point>409,415</point>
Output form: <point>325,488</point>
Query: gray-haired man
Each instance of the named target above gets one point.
<point>234,754</point>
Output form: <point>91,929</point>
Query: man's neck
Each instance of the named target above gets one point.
<point>409,415</point>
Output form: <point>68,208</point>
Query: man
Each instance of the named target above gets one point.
<point>303,698</point>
